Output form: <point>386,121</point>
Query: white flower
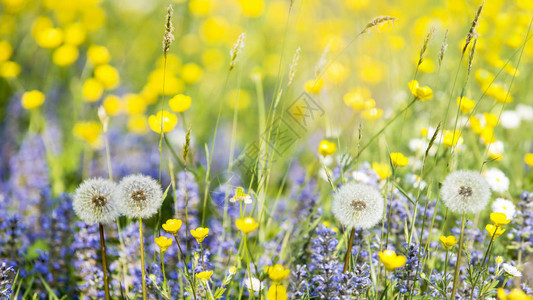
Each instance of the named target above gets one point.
<point>94,201</point>
<point>255,285</point>
<point>504,206</point>
<point>139,196</point>
<point>417,145</point>
<point>497,180</point>
<point>358,205</point>
<point>465,192</point>
<point>496,148</point>
<point>240,196</point>
<point>525,112</point>
<point>510,119</point>
<point>361,176</point>
<point>511,270</point>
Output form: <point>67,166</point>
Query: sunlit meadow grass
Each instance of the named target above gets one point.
<point>251,149</point>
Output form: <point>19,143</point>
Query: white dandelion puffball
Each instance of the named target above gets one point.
<point>139,196</point>
<point>358,205</point>
<point>465,192</point>
<point>94,201</point>
<point>505,206</point>
<point>497,180</point>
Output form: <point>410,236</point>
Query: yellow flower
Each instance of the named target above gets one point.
<point>499,92</point>
<point>107,75</point>
<point>49,37</point>
<point>135,104</point>
<point>391,260</point>
<point>163,242</point>
<point>180,103</point>
<point>191,73</point>
<point>9,69</point>
<point>528,159</point>
<point>383,170</point>
<point>252,8</point>
<point>465,105</point>
<point>112,105</point>
<point>514,294</point>
<point>169,121</point>
<point>246,225</point>
<point>75,34</point>
<point>205,275</point>
<point>88,131</point>
<point>200,233</point>
<point>326,148</point>
<point>65,55</point>
<point>137,124</point>
<point>448,241</point>
<point>92,90</point>
<point>452,138</point>
<point>5,51</point>
<point>398,159</point>
<point>32,99</point>
<point>494,230</point>
<point>200,7</point>
<point>499,219</point>
<point>423,93</point>
<point>491,119</point>
<point>98,55</point>
<point>314,86</point>
<point>277,292</point>
<point>372,114</point>
<point>277,272</point>
<point>172,226</point>
<point>232,270</point>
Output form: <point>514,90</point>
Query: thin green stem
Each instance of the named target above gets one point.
<point>458,263</point>
<point>143,270</point>
<point>104,261</point>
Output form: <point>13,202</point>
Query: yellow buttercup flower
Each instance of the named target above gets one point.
<point>494,230</point>
<point>514,294</point>
<point>252,8</point>
<point>277,272</point>
<point>391,260</point>
<point>200,7</point>
<point>314,86</point>
<point>65,55</point>
<point>465,105</point>
<point>383,170</point>
<point>107,75</point>
<point>326,148</point>
<point>88,131</point>
<point>398,159</point>
<point>98,55</point>
<point>75,34</point>
<point>528,159</point>
<point>32,99</point>
<point>451,138</point>
<point>172,226</point>
<point>421,92</point>
<point>372,114</point>
<point>277,292</point>
<point>163,242</point>
<point>137,124</point>
<point>169,121</point>
<point>180,103</point>
<point>112,105</point>
<point>5,51</point>
<point>205,275</point>
<point>246,225</point>
<point>9,69</point>
<point>191,73</point>
<point>499,219</point>
<point>134,104</point>
<point>49,37</point>
<point>448,241</point>
<point>92,90</point>
<point>200,233</point>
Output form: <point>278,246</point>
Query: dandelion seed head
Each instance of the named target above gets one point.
<point>465,192</point>
<point>94,201</point>
<point>358,205</point>
<point>139,196</point>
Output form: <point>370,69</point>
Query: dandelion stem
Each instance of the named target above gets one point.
<point>349,251</point>
<point>143,270</point>
<point>458,263</point>
<point>104,261</point>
